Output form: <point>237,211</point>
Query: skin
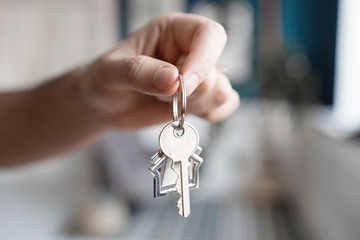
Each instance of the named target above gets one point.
<point>127,88</point>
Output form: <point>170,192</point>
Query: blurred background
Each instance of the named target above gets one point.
<point>284,166</point>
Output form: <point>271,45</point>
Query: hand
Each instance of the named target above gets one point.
<point>124,88</point>
<point>129,83</point>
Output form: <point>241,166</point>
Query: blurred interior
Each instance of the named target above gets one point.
<point>284,166</point>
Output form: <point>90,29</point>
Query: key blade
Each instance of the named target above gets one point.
<point>182,187</point>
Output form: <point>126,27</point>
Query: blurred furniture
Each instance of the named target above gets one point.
<point>320,171</point>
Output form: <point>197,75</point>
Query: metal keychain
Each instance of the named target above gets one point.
<point>160,160</point>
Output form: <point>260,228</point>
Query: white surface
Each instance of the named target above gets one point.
<point>347,88</point>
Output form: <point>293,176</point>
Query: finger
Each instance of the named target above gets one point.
<point>224,110</point>
<point>140,73</point>
<point>205,86</point>
<point>146,112</point>
<point>180,61</point>
<point>203,40</point>
<point>208,84</point>
<point>209,97</point>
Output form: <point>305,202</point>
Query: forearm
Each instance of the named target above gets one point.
<point>45,121</point>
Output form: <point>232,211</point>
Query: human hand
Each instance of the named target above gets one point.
<point>130,84</point>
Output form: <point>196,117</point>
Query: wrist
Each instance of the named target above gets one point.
<point>89,97</point>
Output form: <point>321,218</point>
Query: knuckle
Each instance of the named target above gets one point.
<point>237,100</point>
<point>203,88</point>
<point>98,71</point>
<point>163,19</point>
<point>133,67</point>
<point>219,29</point>
<point>207,85</point>
<point>211,117</point>
<point>220,97</point>
<point>167,18</point>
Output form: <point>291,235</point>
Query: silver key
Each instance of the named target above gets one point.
<point>179,145</point>
<point>169,180</point>
<point>164,182</point>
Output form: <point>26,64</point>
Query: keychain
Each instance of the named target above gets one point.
<point>179,143</point>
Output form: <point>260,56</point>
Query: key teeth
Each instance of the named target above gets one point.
<point>181,210</point>
<point>178,189</point>
<point>157,160</point>
<point>179,205</point>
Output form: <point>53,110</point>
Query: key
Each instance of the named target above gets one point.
<point>163,173</point>
<point>168,177</point>
<point>179,145</point>
<point>158,159</point>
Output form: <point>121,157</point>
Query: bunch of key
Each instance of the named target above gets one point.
<point>179,152</point>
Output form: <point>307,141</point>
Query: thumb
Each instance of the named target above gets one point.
<point>143,74</point>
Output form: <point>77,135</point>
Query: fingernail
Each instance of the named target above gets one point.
<point>191,83</point>
<point>164,78</point>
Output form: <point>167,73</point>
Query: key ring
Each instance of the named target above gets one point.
<point>183,104</point>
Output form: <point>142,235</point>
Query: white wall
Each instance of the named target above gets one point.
<point>39,38</point>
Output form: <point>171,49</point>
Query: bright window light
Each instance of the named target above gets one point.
<point>347,86</point>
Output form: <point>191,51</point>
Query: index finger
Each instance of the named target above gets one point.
<point>202,40</point>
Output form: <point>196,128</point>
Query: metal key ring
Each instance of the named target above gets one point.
<point>183,104</point>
